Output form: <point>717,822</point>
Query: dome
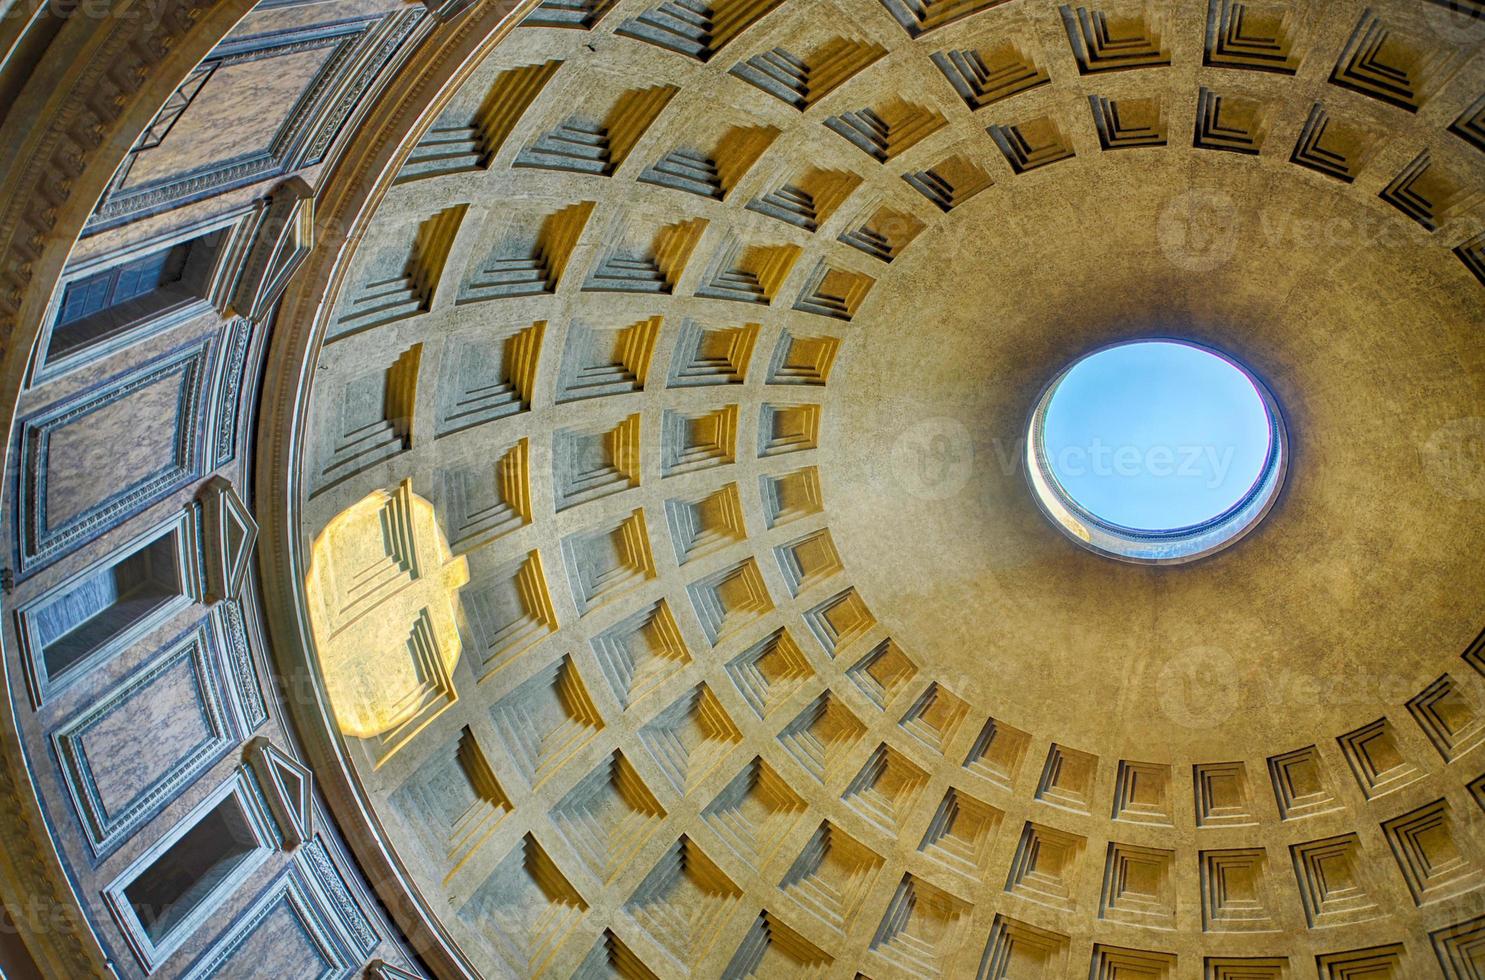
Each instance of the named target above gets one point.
<point>559,489</point>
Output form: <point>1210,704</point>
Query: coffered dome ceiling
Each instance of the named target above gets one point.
<point>648,553</point>
<point>709,333</point>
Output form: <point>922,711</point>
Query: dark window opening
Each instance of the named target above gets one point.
<point>107,603</point>
<point>99,307</point>
<point>190,870</point>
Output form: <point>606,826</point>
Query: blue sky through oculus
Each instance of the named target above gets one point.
<point>1156,435</point>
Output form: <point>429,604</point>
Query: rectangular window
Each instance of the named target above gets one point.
<point>119,285</point>
<point>190,870</point>
<point>169,891</point>
<point>104,608</point>
<point>99,307</point>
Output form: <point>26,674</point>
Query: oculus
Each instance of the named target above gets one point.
<point>1156,451</point>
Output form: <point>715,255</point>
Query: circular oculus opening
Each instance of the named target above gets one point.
<point>1156,451</point>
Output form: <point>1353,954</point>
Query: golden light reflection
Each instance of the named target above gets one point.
<point>381,589</point>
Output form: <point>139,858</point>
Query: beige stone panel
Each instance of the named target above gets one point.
<point>118,444</point>
<point>237,113</point>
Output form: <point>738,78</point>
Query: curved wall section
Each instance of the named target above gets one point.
<point>158,191</point>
